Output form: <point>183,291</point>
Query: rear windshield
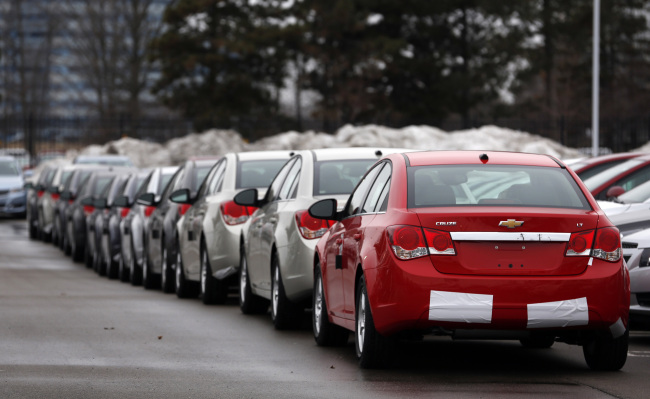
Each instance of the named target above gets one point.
<point>493,185</point>
<point>340,176</point>
<point>257,174</point>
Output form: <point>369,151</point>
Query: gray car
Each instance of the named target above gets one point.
<point>636,252</point>
<point>12,192</point>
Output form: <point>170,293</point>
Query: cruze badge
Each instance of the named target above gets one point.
<point>445,223</point>
<point>510,223</point>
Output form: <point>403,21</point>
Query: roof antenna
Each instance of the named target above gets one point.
<point>484,158</point>
<point>378,153</point>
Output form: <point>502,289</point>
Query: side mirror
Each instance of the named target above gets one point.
<point>324,209</point>
<point>100,203</point>
<point>88,201</point>
<point>247,198</point>
<point>147,199</point>
<point>122,201</point>
<point>615,191</point>
<point>181,196</point>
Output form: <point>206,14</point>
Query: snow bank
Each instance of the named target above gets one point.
<point>219,142</point>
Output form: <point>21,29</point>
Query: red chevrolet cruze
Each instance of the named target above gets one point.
<point>467,243</point>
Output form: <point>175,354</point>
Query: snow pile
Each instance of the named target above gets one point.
<point>219,142</point>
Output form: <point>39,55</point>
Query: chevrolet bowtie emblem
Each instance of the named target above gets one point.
<point>510,223</point>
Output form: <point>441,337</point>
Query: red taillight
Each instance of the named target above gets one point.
<point>56,196</point>
<point>606,245</point>
<point>235,214</point>
<point>124,212</point>
<point>88,209</point>
<point>148,210</point>
<point>580,243</point>
<point>70,201</point>
<point>310,227</point>
<point>407,242</point>
<point>40,193</point>
<point>440,242</point>
<point>183,208</point>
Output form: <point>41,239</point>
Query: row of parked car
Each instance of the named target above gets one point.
<point>387,243</point>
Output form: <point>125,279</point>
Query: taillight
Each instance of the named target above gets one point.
<point>124,212</point>
<point>440,242</point>
<point>183,208</point>
<point>40,193</point>
<point>55,196</point>
<point>70,201</point>
<point>601,243</point>
<point>310,227</point>
<point>235,214</point>
<point>88,209</point>
<point>148,210</point>
<point>407,242</point>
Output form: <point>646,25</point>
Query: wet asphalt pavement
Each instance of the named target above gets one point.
<point>67,333</point>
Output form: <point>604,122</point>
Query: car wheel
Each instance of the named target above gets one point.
<point>325,333</point>
<point>603,352</point>
<point>111,265</point>
<point>88,257</point>
<point>284,313</point>
<point>98,263</point>
<point>372,348</point>
<point>122,272</point>
<point>248,302</point>
<point>148,277</point>
<point>134,269</point>
<point>77,252</point>
<point>33,230</point>
<point>56,236</point>
<point>65,245</point>
<point>538,341</point>
<point>213,291</point>
<point>167,275</point>
<point>183,287</point>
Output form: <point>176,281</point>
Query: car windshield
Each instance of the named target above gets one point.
<point>493,185</point>
<point>9,168</point>
<point>257,174</point>
<point>340,176</point>
<point>608,174</point>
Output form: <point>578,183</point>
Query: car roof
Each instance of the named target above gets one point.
<point>256,155</point>
<point>331,154</point>
<point>473,157</point>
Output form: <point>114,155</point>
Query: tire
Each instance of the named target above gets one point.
<point>88,257</point>
<point>284,313</point>
<point>33,229</point>
<point>212,290</point>
<point>167,278</point>
<point>325,333</point>
<point>248,302</point>
<point>372,348</point>
<point>134,270</point>
<point>183,288</point>
<point>605,353</point>
<point>65,245</point>
<point>76,252</point>
<point>122,272</point>
<point>149,279</point>
<point>112,267</point>
<point>538,341</point>
<point>56,236</point>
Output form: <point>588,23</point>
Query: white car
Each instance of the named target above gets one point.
<point>209,231</point>
<point>636,252</point>
<point>279,241</point>
<point>631,211</point>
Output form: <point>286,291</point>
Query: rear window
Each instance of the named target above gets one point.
<point>493,185</point>
<point>610,173</point>
<point>257,174</point>
<point>340,176</point>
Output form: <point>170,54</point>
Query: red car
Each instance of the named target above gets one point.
<point>620,178</point>
<point>588,167</point>
<point>471,244</point>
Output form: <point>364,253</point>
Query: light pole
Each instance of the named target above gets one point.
<point>595,81</point>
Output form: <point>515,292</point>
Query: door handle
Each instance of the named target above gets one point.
<point>357,236</point>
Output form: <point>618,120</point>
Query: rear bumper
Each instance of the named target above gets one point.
<point>412,295</point>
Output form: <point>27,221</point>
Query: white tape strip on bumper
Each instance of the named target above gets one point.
<point>460,307</point>
<point>572,312</point>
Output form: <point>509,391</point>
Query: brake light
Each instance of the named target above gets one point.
<point>601,243</point>
<point>148,210</point>
<point>183,208</point>
<point>124,212</point>
<point>407,242</point>
<point>235,214</point>
<point>40,193</point>
<point>310,227</point>
<point>88,209</point>
<point>440,242</point>
<point>55,196</point>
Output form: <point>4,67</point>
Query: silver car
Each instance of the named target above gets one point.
<point>279,241</point>
<point>12,192</point>
<point>209,232</point>
<point>636,252</point>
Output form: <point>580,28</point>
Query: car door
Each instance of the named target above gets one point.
<point>256,240</point>
<point>154,244</point>
<point>341,248</point>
